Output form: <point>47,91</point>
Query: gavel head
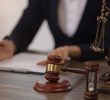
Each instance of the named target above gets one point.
<point>52,83</point>
<point>53,68</point>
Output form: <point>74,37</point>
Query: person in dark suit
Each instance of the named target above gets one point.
<point>73,23</point>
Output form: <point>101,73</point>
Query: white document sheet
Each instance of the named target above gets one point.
<point>24,62</point>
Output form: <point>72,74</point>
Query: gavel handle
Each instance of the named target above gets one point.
<point>73,70</point>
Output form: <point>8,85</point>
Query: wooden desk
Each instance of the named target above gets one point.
<point>16,86</point>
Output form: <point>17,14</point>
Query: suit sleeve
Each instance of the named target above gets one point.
<point>28,25</point>
<point>88,54</point>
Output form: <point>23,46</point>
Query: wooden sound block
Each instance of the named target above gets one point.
<point>52,87</point>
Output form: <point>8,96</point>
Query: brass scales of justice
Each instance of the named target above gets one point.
<point>52,82</point>
<point>98,46</point>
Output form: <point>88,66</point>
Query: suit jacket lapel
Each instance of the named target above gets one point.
<point>88,14</point>
<point>54,9</point>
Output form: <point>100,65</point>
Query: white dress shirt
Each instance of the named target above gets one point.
<point>69,15</point>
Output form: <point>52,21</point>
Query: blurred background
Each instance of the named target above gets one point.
<point>10,13</point>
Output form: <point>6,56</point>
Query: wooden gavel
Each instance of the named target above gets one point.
<point>54,84</point>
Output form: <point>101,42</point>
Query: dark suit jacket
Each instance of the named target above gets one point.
<point>38,10</point>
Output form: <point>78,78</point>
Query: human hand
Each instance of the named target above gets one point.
<point>63,52</point>
<point>7,49</point>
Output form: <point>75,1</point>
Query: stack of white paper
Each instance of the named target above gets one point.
<point>24,62</point>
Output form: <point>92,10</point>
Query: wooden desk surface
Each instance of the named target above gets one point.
<point>16,86</point>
